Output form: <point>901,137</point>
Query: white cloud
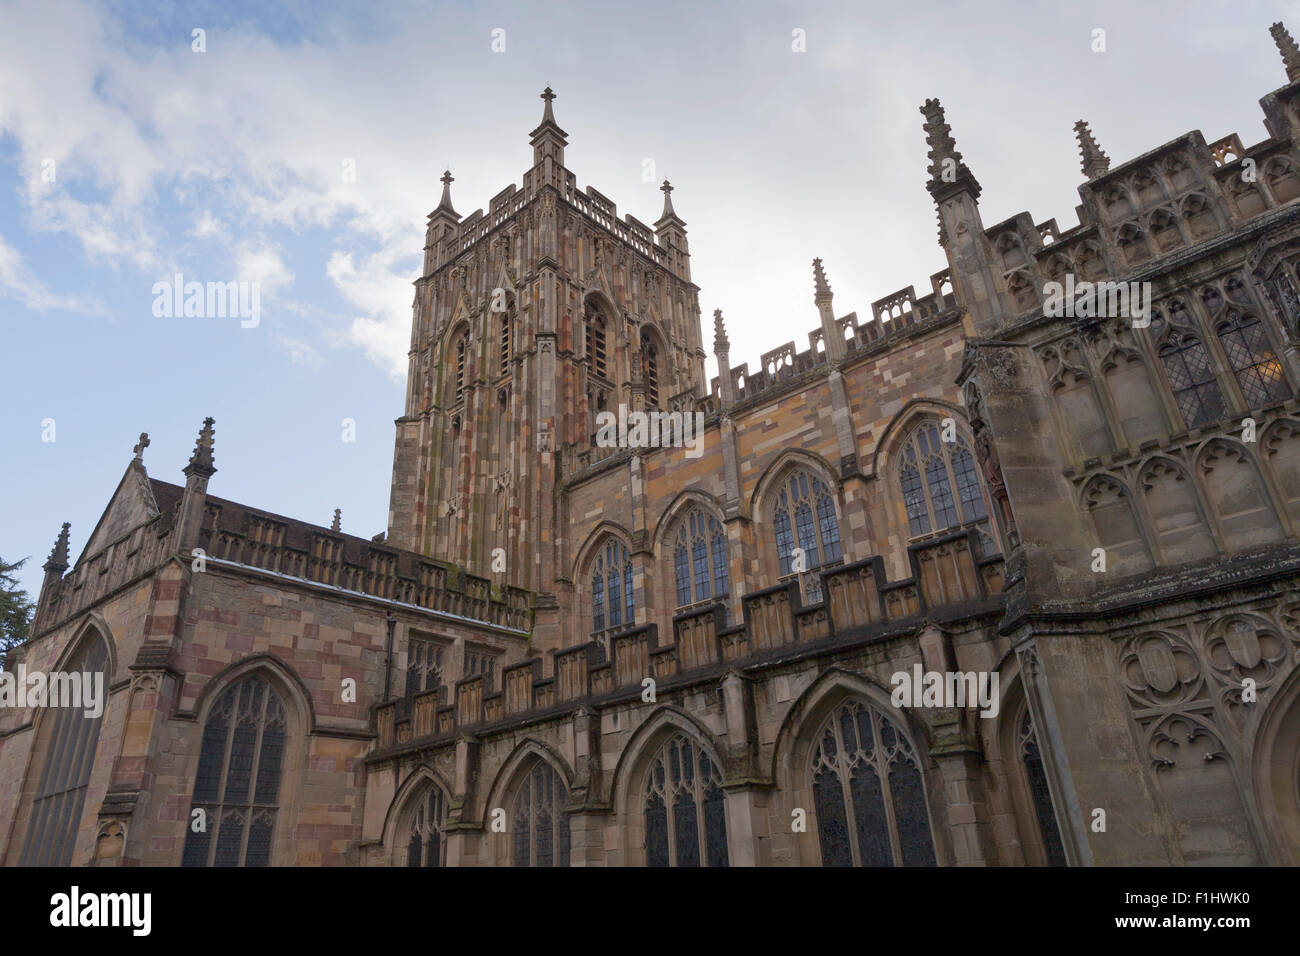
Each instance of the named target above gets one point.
<point>384,333</point>
<point>778,157</point>
<point>18,282</point>
<point>255,262</point>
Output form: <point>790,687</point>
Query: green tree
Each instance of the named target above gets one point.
<point>15,607</point>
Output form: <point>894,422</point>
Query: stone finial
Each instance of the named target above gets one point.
<point>58,560</point>
<point>1290,52</point>
<point>822,287</point>
<point>445,204</point>
<point>946,165</point>
<point>1095,162</point>
<point>667,190</point>
<point>720,341</point>
<point>338,519</point>
<point>140,446</point>
<point>548,131</point>
<point>201,460</point>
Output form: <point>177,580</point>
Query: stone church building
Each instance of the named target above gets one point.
<point>564,652</point>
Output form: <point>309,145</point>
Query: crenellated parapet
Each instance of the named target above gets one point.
<point>951,578</point>
<point>896,319</point>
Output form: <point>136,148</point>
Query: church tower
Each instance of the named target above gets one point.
<point>527,322</point>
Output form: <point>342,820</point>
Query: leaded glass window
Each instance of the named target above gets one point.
<point>804,516</point>
<point>868,792</point>
<point>69,758</point>
<point>238,780</point>
<point>539,826</point>
<point>685,813</point>
<point>941,486</point>
<point>1187,366</point>
<point>700,559</point>
<point>613,598</point>
<point>1253,361</point>
<point>1039,793</point>
<point>426,839</point>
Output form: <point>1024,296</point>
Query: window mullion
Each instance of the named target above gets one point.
<point>844,774</point>
<point>882,767</point>
<point>225,772</point>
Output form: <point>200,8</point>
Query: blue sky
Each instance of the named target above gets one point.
<point>227,165</point>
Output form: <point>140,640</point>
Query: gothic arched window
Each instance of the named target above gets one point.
<point>1187,366</point>
<point>1036,776</point>
<point>941,486</point>
<point>426,836</point>
<point>685,815</point>
<point>595,322</point>
<point>69,746</point>
<point>538,824</point>
<point>700,555</point>
<point>1253,361</point>
<point>868,792</point>
<point>613,601</point>
<point>238,780</point>
<point>803,517</point>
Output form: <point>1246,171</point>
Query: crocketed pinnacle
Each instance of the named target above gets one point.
<point>720,342</point>
<point>946,165</point>
<point>201,461</point>
<point>58,560</point>
<point>822,288</point>
<point>1290,52</point>
<point>338,518</point>
<point>1095,162</point>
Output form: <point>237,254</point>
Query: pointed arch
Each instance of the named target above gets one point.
<point>783,461</point>
<point>1240,501</point>
<point>1016,747</point>
<point>1273,756</point>
<point>797,506</point>
<point>599,325</point>
<point>907,417</point>
<point>1172,504</point>
<point>654,364</point>
<point>252,746</point>
<point>692,552</point>
<point>1118,527</point>
<point>805,769</point>
<point>279,672</point>
<point>417,817</point>
<point>668,791</point>
<point>64,750</point>
<point>533,787</point>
